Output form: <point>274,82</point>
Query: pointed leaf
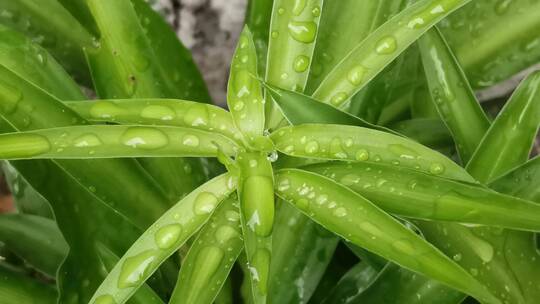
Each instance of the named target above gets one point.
<point>349,215</point>
<point>432,198</point>
<point>508,141</point>
<point>162,239</point>
<point>211,257</point>
<point>112,141</point>
<point>244,92</point>
<point>380,48</point>
<point>452,94</point>
<point>363,145</point>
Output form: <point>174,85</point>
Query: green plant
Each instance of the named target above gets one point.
<point>364,128</point>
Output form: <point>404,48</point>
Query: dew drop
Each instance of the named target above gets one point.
<point>225,233</point>
<point>362,155</point>
<point>238,106</point>
<point>232,216</point>
<point>281,10</point>
<point>24,145</point>
<point>205,203</point>
<point>356,75</point>
<point>457,257</point>
<point>136,268</point>
<point>350,179</point>
<point>303,31</point>
<point>144,138</point>
<point>196,115</point>
<point>87,140</point>
<point>190,140</point>
<point>105,110</point>
<point>301,63</point>
<point>339,98</point>
<point>340,212</point>
<point>436,168</point>
<point>321,199</point>
<point>387,45</point>
<point>274,34</point>
<point>168,235</point>
<point>158,112</point>
<point>105,299</point>
<point>316,11</point>
<point>312,147</point>
<point>371,229</point>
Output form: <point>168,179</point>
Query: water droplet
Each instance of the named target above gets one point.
<point>273,156</point>
<point>301,63</point>
<point>232,216</point>
<point>144,138</point>
<point>457,257</point>
<point>336,149</point>
<point>24,145</point>
<point>205,203</point>
<point>274,34</point>
<point>356,75</point>
<point>474,271</point>
<point>10,96</point>
<point>105,299</point>
<point>281,10</point>
<point>105,110</point>
<point>190,140</point>
<point>303,31</point>
<point>371,229</point>
<point>253,163</point>
<point>283,185</point>
<point>87,140</point>
<point>225,233</point>
<point>340,212</point>
<point>386,45</point>
<point>350,179</point>
<point>436,168</point>
<point>298,7</point>
<point>339,98</point>
<point>404,246</point>
<point>196,115</point>
<point>168,235</point>
<point>312,147</point>
<point>316,11</point>
<point>136,268</point>
<point>158,112</point>
<point>321,199</point>
<point>238,106</point>
<point>362,155</point>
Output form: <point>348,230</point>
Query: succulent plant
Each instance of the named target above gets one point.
<point>354,163</point>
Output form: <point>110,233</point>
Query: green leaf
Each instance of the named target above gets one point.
<point>353,283</point>
<point>31,61</point>
<point>508,141</point>
<point>258,15</point>
<point>139,55</point>
<point>256,193</point>
<point>432,198</point>
<point>301,252</point>
<point>19,288</point>
<point>293,33</point>
<point>27,199</point>
<point>162,239</point>
<point>27,234</point>
<point>343,25</point>
<point>399,285</point>
<point>380,48</point>
<point>427,131</point>
<point>301,109</point>
<point>349,215</point>
<point>488,49</point>
<point>522,181</point>
<point>145,294</point>
<point>63,36</point>
<point>244,92</point>
<point>151,111</point>
<point>113,141</point>
<point>452,94</point>
<point>211,257</point>
<point>364,145</point>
